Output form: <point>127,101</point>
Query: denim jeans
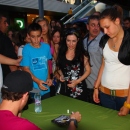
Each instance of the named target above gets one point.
<point>111,102</point>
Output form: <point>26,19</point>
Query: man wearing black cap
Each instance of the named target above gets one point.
<point>15,91</point>
<point>15,95</point>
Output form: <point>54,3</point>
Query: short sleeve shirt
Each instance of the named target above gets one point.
<point>95,53</point>
<point>6,49</point>
<point>8,121</point>
<point>20,50</point>
<point>37,61</point>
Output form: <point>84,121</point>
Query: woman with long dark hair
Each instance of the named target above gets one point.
<point>73,65</point>
<point>56,39</point>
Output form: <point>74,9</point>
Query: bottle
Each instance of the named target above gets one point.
<point>38,105</point>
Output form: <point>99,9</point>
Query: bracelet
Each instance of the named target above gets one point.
<point>95,88</point>
<point>127,105</point>
<point>75,122</point>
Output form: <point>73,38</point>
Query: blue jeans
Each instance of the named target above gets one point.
<point>111,102</point>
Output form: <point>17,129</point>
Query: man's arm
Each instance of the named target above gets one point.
<point>9,61</point>
<point>13,67</point>
<point>72,126</point>
<point>75,116</point>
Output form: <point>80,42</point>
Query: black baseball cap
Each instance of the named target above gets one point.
<point>18,81</point>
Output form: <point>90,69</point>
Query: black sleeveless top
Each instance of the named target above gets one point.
<point>124,51</point>
<point>73,70</point>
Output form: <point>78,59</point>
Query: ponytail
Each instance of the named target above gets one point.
<point>113,13</point>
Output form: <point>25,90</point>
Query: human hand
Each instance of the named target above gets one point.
<point>123,111</point>
<point>62,78</point>
<point>95,96</point>
<point>49,82</point>
<point>73,83</point>
<point>17,62</point>
<point>40,84</point>
<point>57,76</point>
<point>76,115</point>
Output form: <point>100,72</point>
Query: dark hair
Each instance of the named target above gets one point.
<point>19,37</point>
<point>51,21</point>
<point>97,13</point>
<point>93,17</point>
<point>113,13</point>
<point>15,39</point>
<point>80,52</point>
<point>127,18</point>
<point>6,95</point>
<point>2,15</point>
<point>34,27</point>
<point>61,23</point>
<point>22,36</point>
<point>82,28</point>
<point>56,29</point>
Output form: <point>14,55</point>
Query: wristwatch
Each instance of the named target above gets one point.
<point>75,122</point>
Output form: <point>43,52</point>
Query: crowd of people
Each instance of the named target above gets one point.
<point>87,62</point>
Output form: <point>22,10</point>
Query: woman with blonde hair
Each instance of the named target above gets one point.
<point>46,36</point>
<point>46,29</point>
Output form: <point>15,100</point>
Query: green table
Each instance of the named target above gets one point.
<point>93,117</point>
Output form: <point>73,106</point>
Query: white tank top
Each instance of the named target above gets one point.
<point>115,74</point>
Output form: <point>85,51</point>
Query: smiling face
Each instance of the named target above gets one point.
<point>71,42</point>
<point>56,38</point>
<point>111,28</point>
<point>35,37</point>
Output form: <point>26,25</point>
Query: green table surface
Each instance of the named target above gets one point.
<point>93,117</point>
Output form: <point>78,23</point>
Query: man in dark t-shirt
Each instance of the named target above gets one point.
<point>6,46</point>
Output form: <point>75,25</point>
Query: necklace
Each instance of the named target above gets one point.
<point>114,46</point>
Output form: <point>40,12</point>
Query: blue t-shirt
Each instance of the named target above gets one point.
<point>37,61</point>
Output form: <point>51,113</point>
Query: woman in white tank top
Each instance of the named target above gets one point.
<point>114,75</point>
